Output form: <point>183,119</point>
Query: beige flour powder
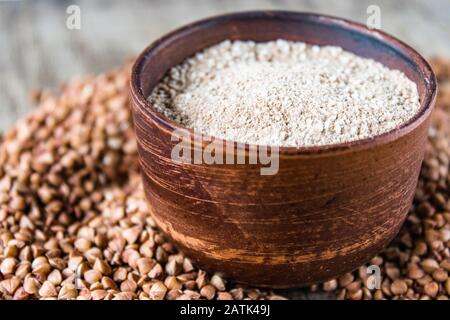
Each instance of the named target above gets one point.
<point>285,93</point>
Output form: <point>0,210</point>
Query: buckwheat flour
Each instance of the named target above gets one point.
<point>285,94</point>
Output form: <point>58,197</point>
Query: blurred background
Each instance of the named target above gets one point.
<point>46,42</point>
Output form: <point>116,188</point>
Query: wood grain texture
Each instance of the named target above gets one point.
<point>328,210</point>
<point>38,51</point>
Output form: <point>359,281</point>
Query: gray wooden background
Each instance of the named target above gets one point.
<point>39,51</point>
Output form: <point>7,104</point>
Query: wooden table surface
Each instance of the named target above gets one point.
<point>39,51</point>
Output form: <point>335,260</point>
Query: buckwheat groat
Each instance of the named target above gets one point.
<point>64,222</point>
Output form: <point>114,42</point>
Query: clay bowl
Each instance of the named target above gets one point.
<point>328,210</point>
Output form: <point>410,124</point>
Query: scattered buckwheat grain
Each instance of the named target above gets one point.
<point>77,227</point>
<point>73,219</point>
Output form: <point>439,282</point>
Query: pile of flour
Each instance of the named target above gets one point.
<point>284,93</point>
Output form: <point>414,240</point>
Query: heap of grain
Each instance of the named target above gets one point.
<point>74,223</point>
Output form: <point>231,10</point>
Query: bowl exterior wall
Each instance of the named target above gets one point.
<point>327,211</point>
<point>318,217</point>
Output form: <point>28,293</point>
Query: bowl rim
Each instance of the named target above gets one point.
<point>423,113</point>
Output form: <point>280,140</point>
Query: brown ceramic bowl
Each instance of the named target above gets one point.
<point>327,211</point>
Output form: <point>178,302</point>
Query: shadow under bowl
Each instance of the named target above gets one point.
<point>328,210</point>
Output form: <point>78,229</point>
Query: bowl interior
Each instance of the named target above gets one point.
<point>261,26</point>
